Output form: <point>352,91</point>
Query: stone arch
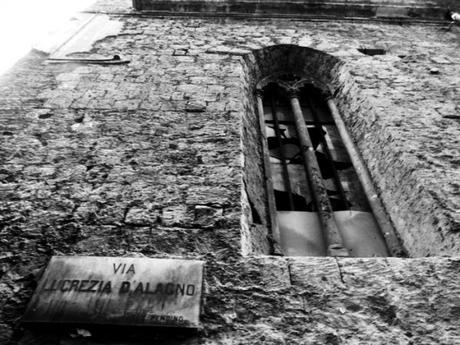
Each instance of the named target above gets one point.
<point>419,219</point>
<point>328,74</point>
<point>307,63</point>
<point>261,66</point>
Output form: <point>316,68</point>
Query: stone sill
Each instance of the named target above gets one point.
<point>390,9</point>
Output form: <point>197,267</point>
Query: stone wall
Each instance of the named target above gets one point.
<point>389,9</point>
<point>147,159</point>
<point>309,301</point>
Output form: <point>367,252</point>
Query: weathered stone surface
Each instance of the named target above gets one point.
<point>264,300</point>
<point>299,8</point>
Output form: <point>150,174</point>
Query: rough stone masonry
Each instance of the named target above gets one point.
<point>158,157</point>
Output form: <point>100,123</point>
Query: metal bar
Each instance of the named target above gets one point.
<point>282,122</point>
<point>273,220</point>
<point>375,203</point>
<point>332,234</point>
<point>287,182</point>
<point>115,60</point>
<point>335,175</point>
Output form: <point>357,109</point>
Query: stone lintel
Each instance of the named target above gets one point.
<point>372,9</point>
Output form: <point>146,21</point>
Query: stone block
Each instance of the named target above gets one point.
<point>142,216</point>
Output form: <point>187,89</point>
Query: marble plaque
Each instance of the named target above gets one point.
<point>118,291</point>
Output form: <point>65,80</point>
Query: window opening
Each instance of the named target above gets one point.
<point>372,51</point>
<point>321,208</point>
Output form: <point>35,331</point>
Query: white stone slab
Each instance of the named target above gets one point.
<point>118,291</point>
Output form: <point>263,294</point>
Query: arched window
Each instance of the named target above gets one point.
<point>306,188</point>
<point>321,207</point>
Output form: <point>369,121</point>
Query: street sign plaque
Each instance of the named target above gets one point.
<point>118,291</point>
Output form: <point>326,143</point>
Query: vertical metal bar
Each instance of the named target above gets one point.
<point>330,159</point>
<point>374,202</point>
<point>287,182</point>
<point>268,176</point>
<point>333,237</point>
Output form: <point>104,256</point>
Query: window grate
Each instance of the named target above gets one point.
<point>321,208</point>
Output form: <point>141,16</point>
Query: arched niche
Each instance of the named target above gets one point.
<point>306,63</point>
<point>330,75</point>
<point>262,65</point>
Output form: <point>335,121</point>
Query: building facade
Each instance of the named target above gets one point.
<point>139,135</point>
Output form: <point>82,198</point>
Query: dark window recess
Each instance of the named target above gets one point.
<point>320,204</point>
<point>255,215</point>
<point>372,51</point>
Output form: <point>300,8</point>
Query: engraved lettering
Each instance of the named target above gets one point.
<point>172,319</point>
<point>169,290</point>
<point>139,288</point>
<point>83,287</point>
<point>101,286</point>
<point>190,290</point>
<point>50,288</point>
<point>159,289</point>
<point>125,286</point>
<point>150,292</point>
<point>63,287</point>
<point>117,268</point>
<point>74,285</point>
<point>121,269</point>
<point>180,288</point>
<point>93,284</point>
<point>107,288</point>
